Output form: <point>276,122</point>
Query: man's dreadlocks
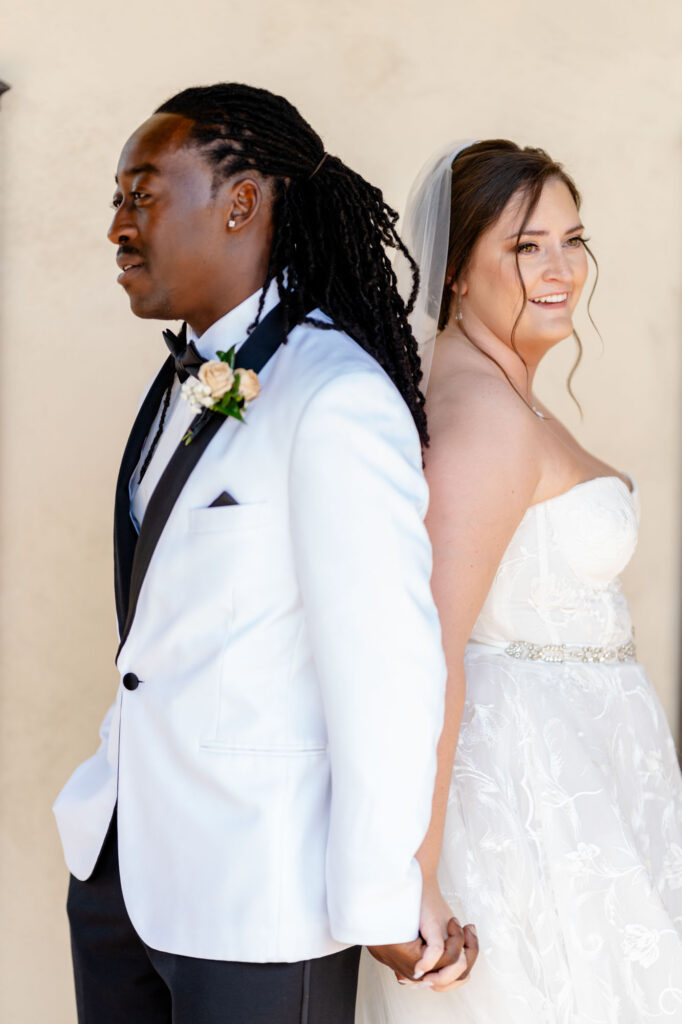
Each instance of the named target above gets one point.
<point>331,227</point>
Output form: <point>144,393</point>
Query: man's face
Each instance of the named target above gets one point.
<point>171,230</point>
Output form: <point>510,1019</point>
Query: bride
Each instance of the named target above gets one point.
<point>559,829</point>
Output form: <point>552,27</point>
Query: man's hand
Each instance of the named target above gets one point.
<point>401,957</point>
<point>457,954</point>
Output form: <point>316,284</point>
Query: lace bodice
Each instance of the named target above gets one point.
<point>558,581</point>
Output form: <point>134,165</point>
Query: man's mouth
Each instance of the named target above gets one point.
<point>129,259</point>
<point>129,270</point>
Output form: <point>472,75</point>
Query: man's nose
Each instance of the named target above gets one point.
<point>122,228</point>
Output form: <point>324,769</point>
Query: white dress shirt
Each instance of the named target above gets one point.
<point>219,337</point>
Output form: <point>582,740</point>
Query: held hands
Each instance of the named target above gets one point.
<point>443,954</point>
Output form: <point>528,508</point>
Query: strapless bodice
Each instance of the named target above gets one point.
<point>558,581</point>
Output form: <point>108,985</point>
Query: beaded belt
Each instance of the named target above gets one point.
<point>560,653</point>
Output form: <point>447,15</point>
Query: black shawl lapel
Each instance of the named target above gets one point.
<point>261,344</point>
<point>125,535</point>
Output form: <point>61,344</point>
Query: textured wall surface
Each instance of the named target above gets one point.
<point>385,82</point>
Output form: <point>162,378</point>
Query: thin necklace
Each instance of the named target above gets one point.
<point>538,412</point>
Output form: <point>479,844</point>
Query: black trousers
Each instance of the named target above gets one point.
<point>120,980</point>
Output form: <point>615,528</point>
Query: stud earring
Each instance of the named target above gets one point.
<point>231,223</point>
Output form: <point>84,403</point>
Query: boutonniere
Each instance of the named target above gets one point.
<point>219,387</point>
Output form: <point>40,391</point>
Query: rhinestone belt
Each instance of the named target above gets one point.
<point>560,653</point>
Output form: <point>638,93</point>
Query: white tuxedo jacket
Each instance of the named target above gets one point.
<point>274,767</point>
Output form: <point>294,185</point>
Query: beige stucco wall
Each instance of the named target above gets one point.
<point>385,82</point>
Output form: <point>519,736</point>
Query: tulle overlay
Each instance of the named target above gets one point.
<point>563,839</point>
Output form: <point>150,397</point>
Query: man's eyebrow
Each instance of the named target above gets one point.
<point>139,169</point>
<point>530,231</point>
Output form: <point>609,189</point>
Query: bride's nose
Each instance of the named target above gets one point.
<point>558,266</point>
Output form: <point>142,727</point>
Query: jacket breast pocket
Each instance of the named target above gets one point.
<point>229,518</point>
<point>231,548</point>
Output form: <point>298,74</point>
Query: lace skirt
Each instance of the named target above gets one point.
<point>563,844</point>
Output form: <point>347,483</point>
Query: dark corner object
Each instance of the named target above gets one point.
<point>3,87</point>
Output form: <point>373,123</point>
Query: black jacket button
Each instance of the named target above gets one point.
<point>130,681</point>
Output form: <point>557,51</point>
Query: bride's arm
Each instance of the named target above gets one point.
<point>482,468</point>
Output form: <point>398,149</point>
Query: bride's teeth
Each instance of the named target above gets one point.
<point>552,298</point>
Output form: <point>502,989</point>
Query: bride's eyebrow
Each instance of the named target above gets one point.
<point>531,231</point>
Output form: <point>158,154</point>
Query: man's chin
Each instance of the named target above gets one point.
<point>149,309</point>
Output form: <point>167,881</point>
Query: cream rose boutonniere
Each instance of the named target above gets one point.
<point>221,388</point>
<point>217,376</point>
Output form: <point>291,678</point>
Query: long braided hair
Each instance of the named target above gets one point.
<point>332,228</point>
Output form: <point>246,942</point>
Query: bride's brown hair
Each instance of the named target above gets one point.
<point>485,176</point>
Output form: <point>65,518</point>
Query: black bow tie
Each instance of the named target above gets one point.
<point>187,358</point>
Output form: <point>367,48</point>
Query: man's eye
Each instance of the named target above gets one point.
<point>136,197</point>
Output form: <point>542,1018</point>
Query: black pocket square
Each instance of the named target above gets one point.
<point>223,499</point>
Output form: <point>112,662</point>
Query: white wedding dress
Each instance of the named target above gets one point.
<point>563,839</point>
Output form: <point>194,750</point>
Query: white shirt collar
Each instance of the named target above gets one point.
<point>231,329</point>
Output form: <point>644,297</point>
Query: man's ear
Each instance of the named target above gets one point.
<point>242,203</point>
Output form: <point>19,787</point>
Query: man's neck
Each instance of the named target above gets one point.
<point>232,327</point>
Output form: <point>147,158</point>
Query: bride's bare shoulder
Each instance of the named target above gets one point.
<point>467,397</point>
<point>483,437</point>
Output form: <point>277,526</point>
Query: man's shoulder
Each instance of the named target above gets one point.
<point>331,378</point>
<point>319,353</point>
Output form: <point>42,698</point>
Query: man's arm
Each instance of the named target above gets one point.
<point>363,559</point>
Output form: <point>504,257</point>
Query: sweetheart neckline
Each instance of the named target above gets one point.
<point>631,491</point>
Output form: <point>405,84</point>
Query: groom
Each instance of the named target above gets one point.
<point>265,774</point>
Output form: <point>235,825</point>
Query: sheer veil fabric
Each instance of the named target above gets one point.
<point>426,231</point>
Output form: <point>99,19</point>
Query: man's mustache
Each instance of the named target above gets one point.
<point>128,250</point>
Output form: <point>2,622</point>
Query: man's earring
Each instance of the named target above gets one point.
<point>232,223</point>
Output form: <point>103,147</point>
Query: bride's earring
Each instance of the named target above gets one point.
<point>458,307</point>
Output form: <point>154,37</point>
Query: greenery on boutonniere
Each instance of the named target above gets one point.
<point>219,387</point>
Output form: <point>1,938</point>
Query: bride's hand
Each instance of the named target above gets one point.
<point>411,960</point>
<point>450,950</point>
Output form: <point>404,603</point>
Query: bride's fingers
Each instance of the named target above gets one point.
<point>439,980</point>
<point>451,977</point>
<point>432,934</point>
<point>454,943</point>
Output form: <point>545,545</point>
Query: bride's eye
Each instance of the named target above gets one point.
<point>526,247</point>
<point>576,241</point>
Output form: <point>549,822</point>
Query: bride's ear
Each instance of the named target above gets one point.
<point>458,287</point>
